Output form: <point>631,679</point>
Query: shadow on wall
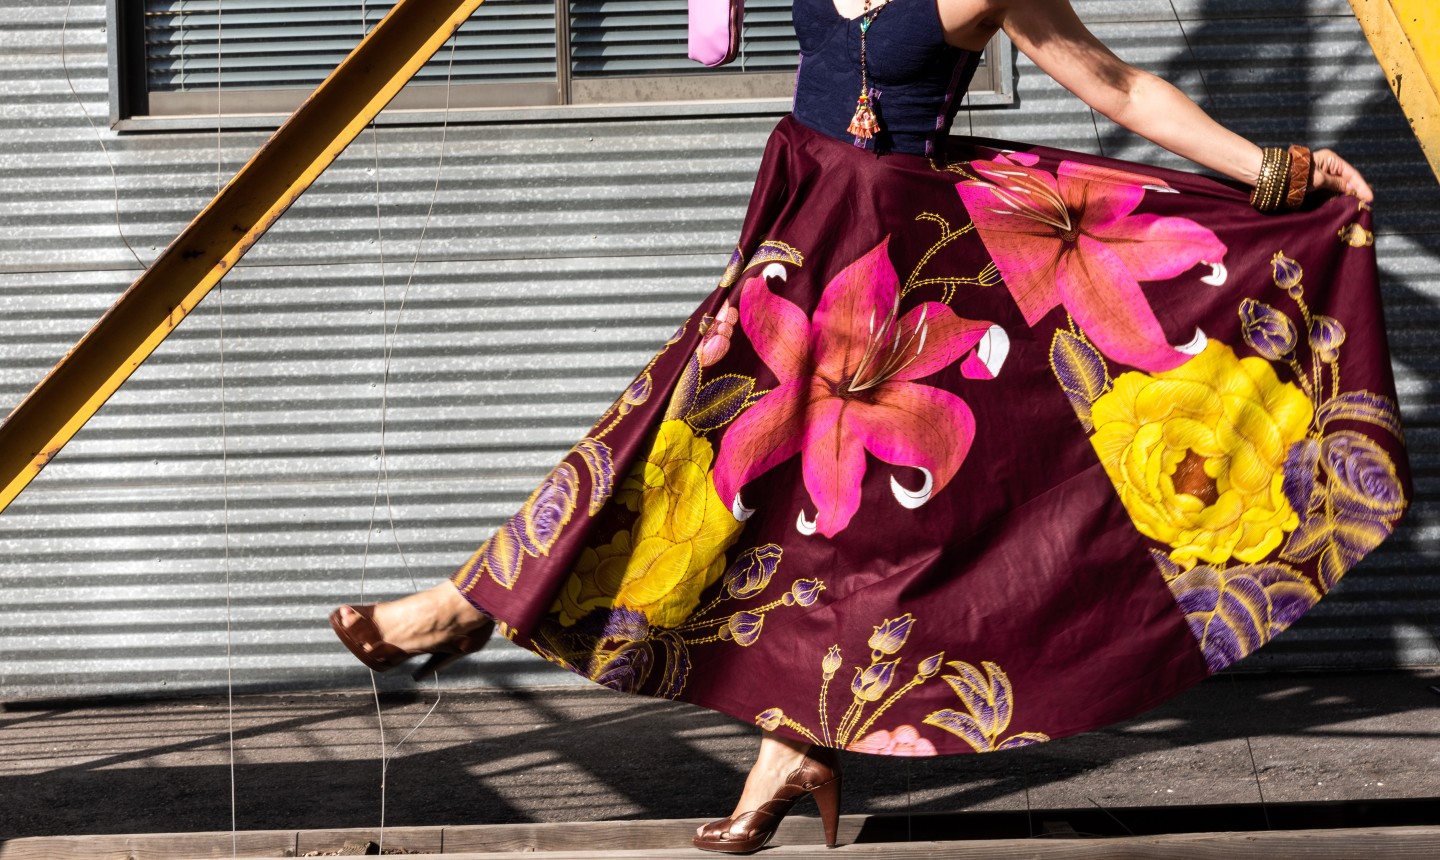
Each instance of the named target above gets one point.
<point>1270,73</point>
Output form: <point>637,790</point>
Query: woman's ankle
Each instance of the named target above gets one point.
<point>460,615</point>
<point>777,759</point>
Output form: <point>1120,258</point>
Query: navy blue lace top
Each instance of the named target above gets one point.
<point>916,79</point>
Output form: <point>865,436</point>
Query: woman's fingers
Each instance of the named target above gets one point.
<point>1333,173</point>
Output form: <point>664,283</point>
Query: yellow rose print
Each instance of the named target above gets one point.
<point>674,551</point>
<point>596,579</point>
<point>683,530</point>
<point>1197,454</point>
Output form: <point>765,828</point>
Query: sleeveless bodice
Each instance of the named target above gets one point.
<point>915,78</point>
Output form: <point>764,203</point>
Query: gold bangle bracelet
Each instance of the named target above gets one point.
<point>1267,166</point>
<point>1273,183</point>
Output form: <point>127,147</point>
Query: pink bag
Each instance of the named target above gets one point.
<point>715,30</point>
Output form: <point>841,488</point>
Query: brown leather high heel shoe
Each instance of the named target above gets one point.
<point>818,776</point>
<point>363,639</point>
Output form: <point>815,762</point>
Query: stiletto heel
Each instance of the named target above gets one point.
<point>818,775</point>
<point>827,798</point>
<point>362,638</point>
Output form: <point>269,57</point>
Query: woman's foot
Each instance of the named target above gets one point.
<point>422,621</point>
<point>783,774</point>
<point>438,622</point>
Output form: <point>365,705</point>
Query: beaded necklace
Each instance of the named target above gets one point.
<point>865,124</point>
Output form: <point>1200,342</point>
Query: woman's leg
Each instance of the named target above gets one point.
<point>424,620</point>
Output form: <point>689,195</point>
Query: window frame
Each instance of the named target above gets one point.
<point>568,97</point>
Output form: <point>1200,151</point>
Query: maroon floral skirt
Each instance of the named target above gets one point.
<point>962,457</point>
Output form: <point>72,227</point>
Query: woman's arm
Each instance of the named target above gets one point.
<point>1052,35</point>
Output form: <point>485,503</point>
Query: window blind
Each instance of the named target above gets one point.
<point>612,38</point>
<point>255,44</point>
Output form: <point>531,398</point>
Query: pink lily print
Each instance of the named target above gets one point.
<point>846,385</point>
<point>1070,239</point>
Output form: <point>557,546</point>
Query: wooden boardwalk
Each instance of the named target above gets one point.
<point>800,837</point>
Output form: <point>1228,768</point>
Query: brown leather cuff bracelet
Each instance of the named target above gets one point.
<point>1302,172</point>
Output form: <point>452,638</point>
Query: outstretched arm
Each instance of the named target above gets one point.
<point>1053,36</point>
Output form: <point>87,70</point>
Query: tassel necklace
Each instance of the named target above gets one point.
<point>865,125</point>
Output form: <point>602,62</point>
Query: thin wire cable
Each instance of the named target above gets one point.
<point>225,443</point>
<point>1096,804</point>
<point>389,350</point>
<point>1255,772</point>
<point>1189,49</point>
<point>375,497</point>
<point>99,138</point>
<point>389,354</point>
<point>389,335</point>
<point>1100,144</point>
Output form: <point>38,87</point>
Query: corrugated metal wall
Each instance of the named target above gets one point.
<point>558,257</point>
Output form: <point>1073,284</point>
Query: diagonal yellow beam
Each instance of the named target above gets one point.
<point>183,274</point>
<point>1405,36</point>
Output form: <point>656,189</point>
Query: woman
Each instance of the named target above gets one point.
<point>1193,437</point>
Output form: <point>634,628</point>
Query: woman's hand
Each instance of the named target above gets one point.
<point>1333,173</point>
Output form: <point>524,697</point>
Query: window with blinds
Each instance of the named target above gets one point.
<point>197,57</point>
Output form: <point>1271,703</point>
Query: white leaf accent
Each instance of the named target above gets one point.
<point>994,348</point>
<point>739,511</point>
<point>1218,274</point>
<point>1196,345</point>
<point>804,526</point>
<point>913,499</point>
<point>1162,189</point>
<point>774,270</point>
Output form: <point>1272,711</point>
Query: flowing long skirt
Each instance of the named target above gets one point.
<point>963,457</point>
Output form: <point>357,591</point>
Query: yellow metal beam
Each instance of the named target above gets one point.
<point>1405,35</point>
<point>184,273</point>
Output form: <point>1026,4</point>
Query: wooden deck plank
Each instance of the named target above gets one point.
<point>615,840</point>
<point>150,846</point>
<point>1399,843</point>
<point>621,835</point>
<point>426,839</point>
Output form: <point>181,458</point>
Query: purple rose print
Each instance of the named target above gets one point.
<point>549,509</point>
<point>1299,484</point>
<point>1266,330</point>
<point>625,625</point>
<point>1287,274</point>
<point>803,593</point>
<point>637,394</point>
<point>1234,610</point>
<point>751,572</point>
<point>743,628</point>
<point>1326,335</point>
<point>625,668</point>
<point>770,719</point>
<point>871,683</point>
<point>1362,475</point>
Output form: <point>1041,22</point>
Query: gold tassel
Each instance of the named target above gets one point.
<point>864,124</point>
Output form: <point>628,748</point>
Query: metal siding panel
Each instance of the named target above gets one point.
<point>550,270</point>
